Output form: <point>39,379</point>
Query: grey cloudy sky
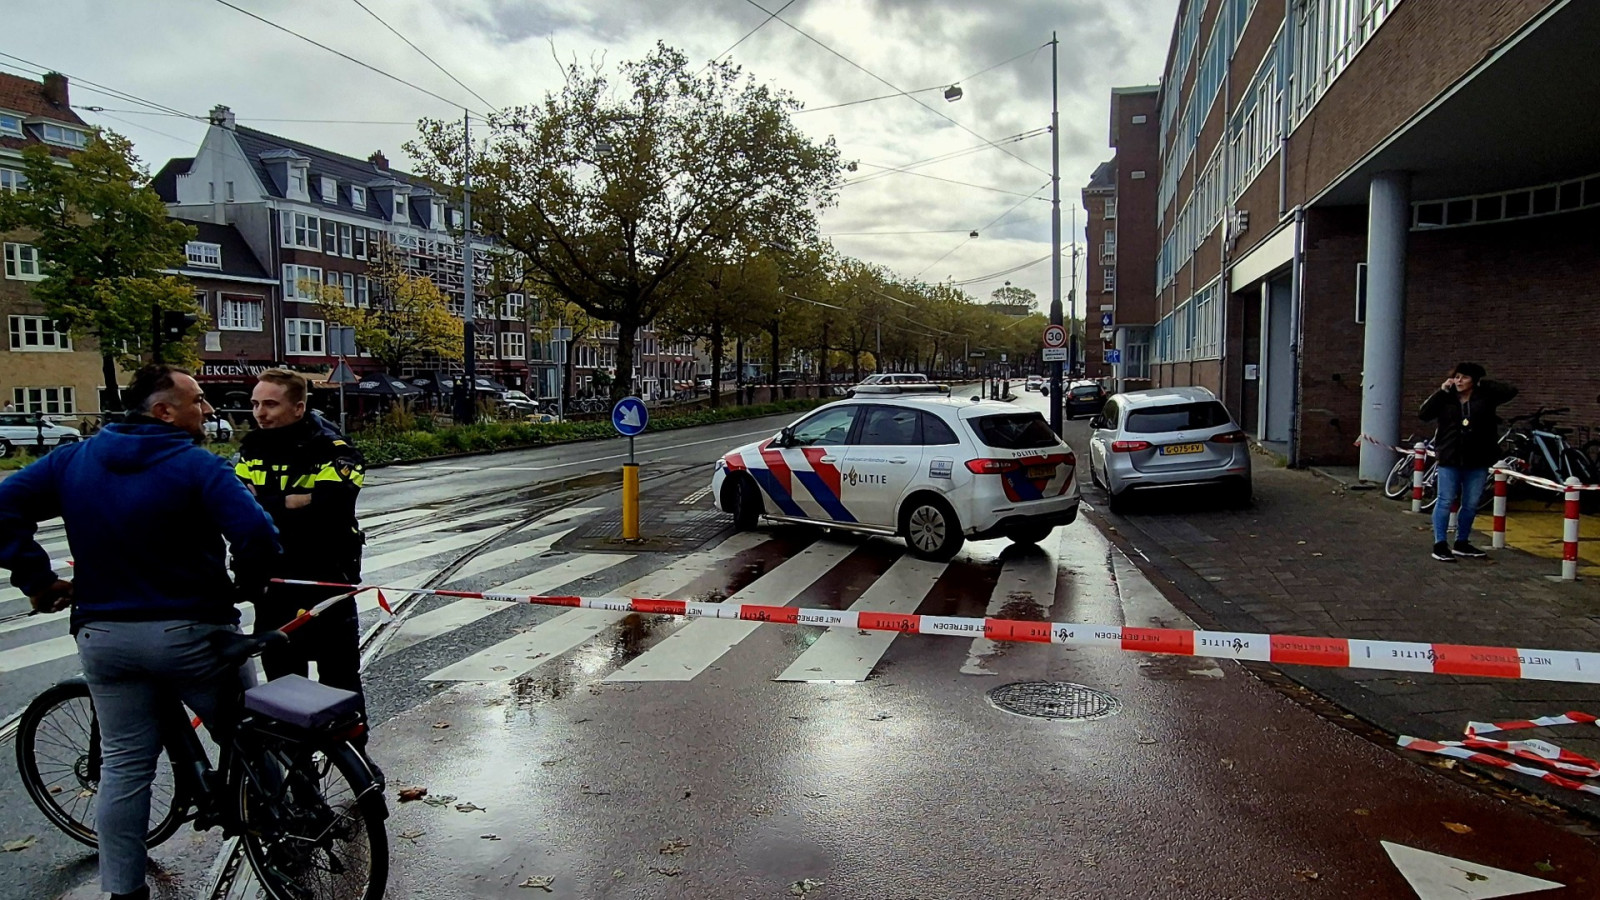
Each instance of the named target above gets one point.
<point>193,54</point>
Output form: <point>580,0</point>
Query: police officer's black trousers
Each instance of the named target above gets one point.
<point>332,640</point>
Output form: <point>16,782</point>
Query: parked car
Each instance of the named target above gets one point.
<point>518,402</point>
<point>1166,438</point>
<point>1083,399</point>
<point>219,429</point>
<point>18,430</point>
<point>896,383</point>
<point>935,471</point>
<point>1034,383</point>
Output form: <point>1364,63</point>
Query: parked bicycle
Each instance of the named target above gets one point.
<point>1399,483</point>
<point>306,803</point>
<point>1540,449</point>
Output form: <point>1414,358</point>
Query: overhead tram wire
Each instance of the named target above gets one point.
<point>995,276</point>
<point>935,231</point>
<point>424,54</point>
<point>96,87</point>
<point>770,16</point>
<point>342,55</point>
<point>996,221</point>
<point>944,157</point>
<point>885,82</point>
<point>940,87</point>
<point>950,181</point>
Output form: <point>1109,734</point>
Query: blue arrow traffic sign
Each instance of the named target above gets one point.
<point>629,416</point>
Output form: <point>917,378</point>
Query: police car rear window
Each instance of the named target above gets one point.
<point>1178,417</point>
<point>1021,431</point>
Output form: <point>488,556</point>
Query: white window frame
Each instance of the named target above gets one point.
<point>363,292</point>
<point>297,182</point>
<point>227,195</point>
<point>513,345</point>
<point>293,275</point>
<point>486,345</point>
<point>1109,279</point>
<point>22,262</point>
<point>39,400</point>
<point>45,338</point>
<point>358,197</point>
<point>347,286</point>
<point>302,231</point>
<point>439,223</point>
<point>402,208</point>
<point>239,312</point>
<point>313,331</point>
<point>514,308</point>
<point>346,241</point>
<point>12,181</point>
<point>204,254</point>
<point>330,190</point>
<point>63,136</point>
<point>11,125</point>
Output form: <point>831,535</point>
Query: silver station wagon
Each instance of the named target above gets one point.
<point>1168,437</point>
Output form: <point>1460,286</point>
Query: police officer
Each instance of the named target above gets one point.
<point>306,475</point>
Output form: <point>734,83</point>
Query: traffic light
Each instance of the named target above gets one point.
<point>176,323</point>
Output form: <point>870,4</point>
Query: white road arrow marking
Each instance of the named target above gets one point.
<point>1437,877</point>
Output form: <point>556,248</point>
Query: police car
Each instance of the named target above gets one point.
<point>934,470</point>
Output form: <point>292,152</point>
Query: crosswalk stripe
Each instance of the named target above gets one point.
<point>464,612</point>
<point>848,654</point>
<point>397,516</point>
<point>371,566</point>
<point>494,559</point>
<point>690,650</point>
<point>525,652</point>
<point>442,524</point>
<point>52,649</point>
<point>1032,577</point>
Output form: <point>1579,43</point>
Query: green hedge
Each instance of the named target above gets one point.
<point>382,445</point>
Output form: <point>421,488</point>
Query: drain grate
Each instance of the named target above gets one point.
<point>1054,700</point>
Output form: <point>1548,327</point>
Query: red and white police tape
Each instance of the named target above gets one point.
<point>1346,653</point>
<point>1543,752</point>
<point>1571,495</point>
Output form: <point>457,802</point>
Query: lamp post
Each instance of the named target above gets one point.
<point>1055,230</point>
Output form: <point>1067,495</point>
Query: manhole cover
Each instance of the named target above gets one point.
<point>1054,700</point>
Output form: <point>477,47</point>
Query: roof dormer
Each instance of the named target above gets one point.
<point>393,199</point>
<point>328,189</point>
<point>290,171</point>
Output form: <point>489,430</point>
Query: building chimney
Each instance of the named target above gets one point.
<point>55,89</point>
<point>223,116</point>
<point>379,160</point>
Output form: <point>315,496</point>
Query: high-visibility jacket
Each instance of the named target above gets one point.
<point>321,540</point>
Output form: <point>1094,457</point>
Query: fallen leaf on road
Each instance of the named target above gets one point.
<point>814,795</point>
<point>1457,827</point>
<point>548,763</point>
<point>618,873</point>
<point>1543,865</point>
<point>412,835</point>
<point>674,847</point>
<point>592,792</point>
<point>669,871</point>
<point>542,882</point>
<point>441,724</point>
<point>490,837</point>
<point>23,844</point>
<point>1316,554</point>
<point>498,668</point>
<point>1299,542</point>
<point>55,788</point>
<point>688,794</point>
<point>804,886</point>
<point>881,717</point>
<point>412,793</point>
<point>1306,874</point>
<point>1474,876</point>
<point>1146,740</point>
<point>1363,812</point>
<point>470,807</point>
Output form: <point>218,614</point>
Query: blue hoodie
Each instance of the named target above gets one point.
<point>146,511</point>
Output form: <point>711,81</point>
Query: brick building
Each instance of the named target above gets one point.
<point>242,301</point>
<point>41,370</point>
<point>1355,194</point>
<point>1120,268</point>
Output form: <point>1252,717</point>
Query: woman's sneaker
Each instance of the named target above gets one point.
<point>1441,552</point>
<point>1463,548</point>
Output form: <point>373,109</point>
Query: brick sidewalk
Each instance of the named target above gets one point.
<point>1313,558</point>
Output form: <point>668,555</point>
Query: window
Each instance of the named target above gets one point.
<point>330,237</point>
<point>228,192</point>
<point>346,241</point>
<point>22,262</point>
<point>12,181</point>
<point>485,344</point>
<point>1109,279</point>
<point>1016,431</point>
<point>358,197</point>
<point>330,190</point>
<point>363,292</point>
<point>37,334</point>
<point>62,136</point>
<point>51,401</point>
<point>1111,207</point>
<point>438,215</point>
<point>239,313</point>
<point>304,337</point>
<point>10,125</point>
<point>301,230</point>
<point>1138,175</point>
<point>890,426</point>
<point>401,201</point>
<point>1178,417</point>
<point>935,432</point>
<point>213,342</point>
<point>200,253</point>
<point>1140,119</point>
<point>297,182</point>
<point>293,276</point>
<point>360,243</point>
<point>513,345</point>
<point>828,428</point>
<point>514,307</point>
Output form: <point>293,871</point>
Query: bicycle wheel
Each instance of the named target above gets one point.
<point>308,833</point>
<point>1398,484</point>
<point>1430,487</point>
<point>58,756</point>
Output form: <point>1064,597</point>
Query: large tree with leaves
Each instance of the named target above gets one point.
<point>406,317</point>
<point>614,192</point>
<point>104,238</point>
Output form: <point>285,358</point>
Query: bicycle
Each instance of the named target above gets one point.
<point>1541,449</point>
<point>306,803</point>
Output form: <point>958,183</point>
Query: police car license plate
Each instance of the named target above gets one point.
<point>1179,449</point>
<point>1041,471</point>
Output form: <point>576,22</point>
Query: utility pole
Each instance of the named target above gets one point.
<point>1055,230</point>
<point>1075,349</point>
<point>466,404</point>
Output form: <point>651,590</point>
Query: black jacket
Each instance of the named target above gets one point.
<point>321,541</point>
<point>1468,434</point>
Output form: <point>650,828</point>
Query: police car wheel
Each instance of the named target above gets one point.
<point>746,504</point>
<point>5,449</point>
<point>931,529</point>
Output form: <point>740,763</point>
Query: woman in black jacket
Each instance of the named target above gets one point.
<point>1467,443</point>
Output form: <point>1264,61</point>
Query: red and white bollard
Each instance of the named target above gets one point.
<point>1501,484</point>
<point>1569,534</point>
<point>1419,461</point>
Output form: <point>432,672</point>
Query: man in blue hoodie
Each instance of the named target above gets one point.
<point>146,512</point>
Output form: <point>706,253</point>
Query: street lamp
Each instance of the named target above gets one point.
<point>952,93</point>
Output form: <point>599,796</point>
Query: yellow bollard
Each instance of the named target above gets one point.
<point>630,501</point>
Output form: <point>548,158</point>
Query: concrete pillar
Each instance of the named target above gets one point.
<point>1383,356</point>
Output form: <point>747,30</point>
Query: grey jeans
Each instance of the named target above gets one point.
<point>132,668</point>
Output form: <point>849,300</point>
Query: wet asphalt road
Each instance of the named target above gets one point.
<point>639,757</point>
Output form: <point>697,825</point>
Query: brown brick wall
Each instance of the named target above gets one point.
<point>1330,382</point>
<point>1423,48</point>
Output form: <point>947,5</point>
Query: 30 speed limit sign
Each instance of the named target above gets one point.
<point>1055,336</point>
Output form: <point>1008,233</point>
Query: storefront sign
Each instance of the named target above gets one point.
<point>219,370</point>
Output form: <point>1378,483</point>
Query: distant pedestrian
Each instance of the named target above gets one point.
<point>1467,444</point>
